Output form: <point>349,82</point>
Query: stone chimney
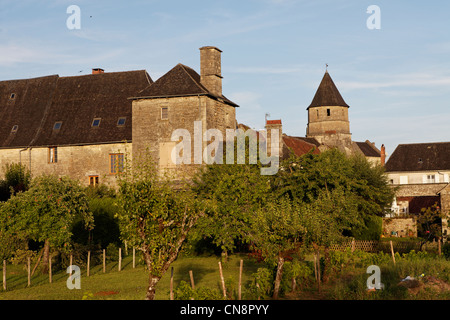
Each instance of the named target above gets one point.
<point>210,70</point>
<point>97,71</point>
<point>274,125</point>
<point>382,155</point>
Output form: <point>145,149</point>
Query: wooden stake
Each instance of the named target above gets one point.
<point>222,280</point>
<point>50,269</point>
<point>4,275</point>
<point>439,246</point>
<point>88,262</point>
<point>392,251</point>
<point>71,261</point>
<point>171,283</point>
<point>192,279</point>
<point>240,279</point>
<point>120,259</point>
<point>29,271</point>
<point>104,260</point>
<point>353,244</point>
<point>134,257</point>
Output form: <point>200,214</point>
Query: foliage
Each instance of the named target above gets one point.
<point>231,194</point>
<point>17,179</point>
<point>446,250</point>
<point>185,292</point>
<point>429,223</point>
<point>262,284</point>
<point>305,178</point>
<point>46,211</point>
<point>154,216</point>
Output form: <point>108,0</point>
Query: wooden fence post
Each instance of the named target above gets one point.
<point>120,259</point>
<point>104,260</point>
<point>29,271</point>
<point>439,246</point>
<point>240,279</point>
<point>392,251</point>
<point>192,279</point>
<point>88,263</point>
<point>134,257</point>
<point>4,275</point>
<point>222,280</point>
<point>71,261</point>
<point>50,268</point>
<point>353,244</point>
<point>171,283</point>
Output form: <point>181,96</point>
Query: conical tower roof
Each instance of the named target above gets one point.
<point>327,94</point>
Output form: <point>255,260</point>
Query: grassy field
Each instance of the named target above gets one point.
<point>347,279</point>
<point>128,284</point>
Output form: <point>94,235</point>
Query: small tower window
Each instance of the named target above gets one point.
<point>328,112</point>
<point>14,128</point>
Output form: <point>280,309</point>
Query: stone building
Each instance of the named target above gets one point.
<point>78,126</point>
<point>421,172</point>
<point>328,127</point>
<point>186,101</point>
<point>86,127</point>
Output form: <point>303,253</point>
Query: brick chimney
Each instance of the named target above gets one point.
<point>383,155</point>
<point>210,69</point>
<point>97,71</point>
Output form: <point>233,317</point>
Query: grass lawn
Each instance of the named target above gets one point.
<point>128,284</point>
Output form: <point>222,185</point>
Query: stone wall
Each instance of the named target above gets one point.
<point>76,162</point>
<point>399,227</point>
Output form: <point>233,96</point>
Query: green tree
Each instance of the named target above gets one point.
<point>45,213</point>
<point>155,217</point>
<point>276,230</point>
<point>17,179</point>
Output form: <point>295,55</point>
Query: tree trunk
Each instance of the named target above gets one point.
<point>278,277</point>
<point>153,281</point>
<point>45,257</point>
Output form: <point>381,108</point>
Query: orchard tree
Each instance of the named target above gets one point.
<point>17,179</point>
<point>276,231</point>
<point>155,216</point>
<point>45,213</point>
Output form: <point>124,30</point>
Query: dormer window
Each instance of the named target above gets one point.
<point>14,128</point>
<point>96,122</point>
<point>12,96</point>
<point>57,125</point>
<point>121,121</point>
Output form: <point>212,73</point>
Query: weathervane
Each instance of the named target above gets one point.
<point>326,66</point>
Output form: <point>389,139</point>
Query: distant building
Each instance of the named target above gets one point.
<point>421,171</point>
<point>328,127</point>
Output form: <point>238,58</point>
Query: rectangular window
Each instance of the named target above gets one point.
<point>116,163</point>
<point>431,178</point>
<point>164,113</point>
<point>93,181</point>
<point>52,155</point>
<point>328,112</point>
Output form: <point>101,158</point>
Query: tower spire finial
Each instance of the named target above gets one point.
<point>326,67</point>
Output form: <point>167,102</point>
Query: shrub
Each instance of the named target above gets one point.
<point>185,292</point>
<point>446,250</point>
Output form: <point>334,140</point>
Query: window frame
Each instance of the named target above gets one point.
<point>94,120</point>
<point>121,124</point>
<point>57,123</point>
<point>53,154</point>
<point>93,180</point>
<point>166,113</point>
<point>116,163</point>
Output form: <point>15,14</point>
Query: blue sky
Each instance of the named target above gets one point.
<point>395,79</point>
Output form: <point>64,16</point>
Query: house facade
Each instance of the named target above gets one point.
<point>420,172</point>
